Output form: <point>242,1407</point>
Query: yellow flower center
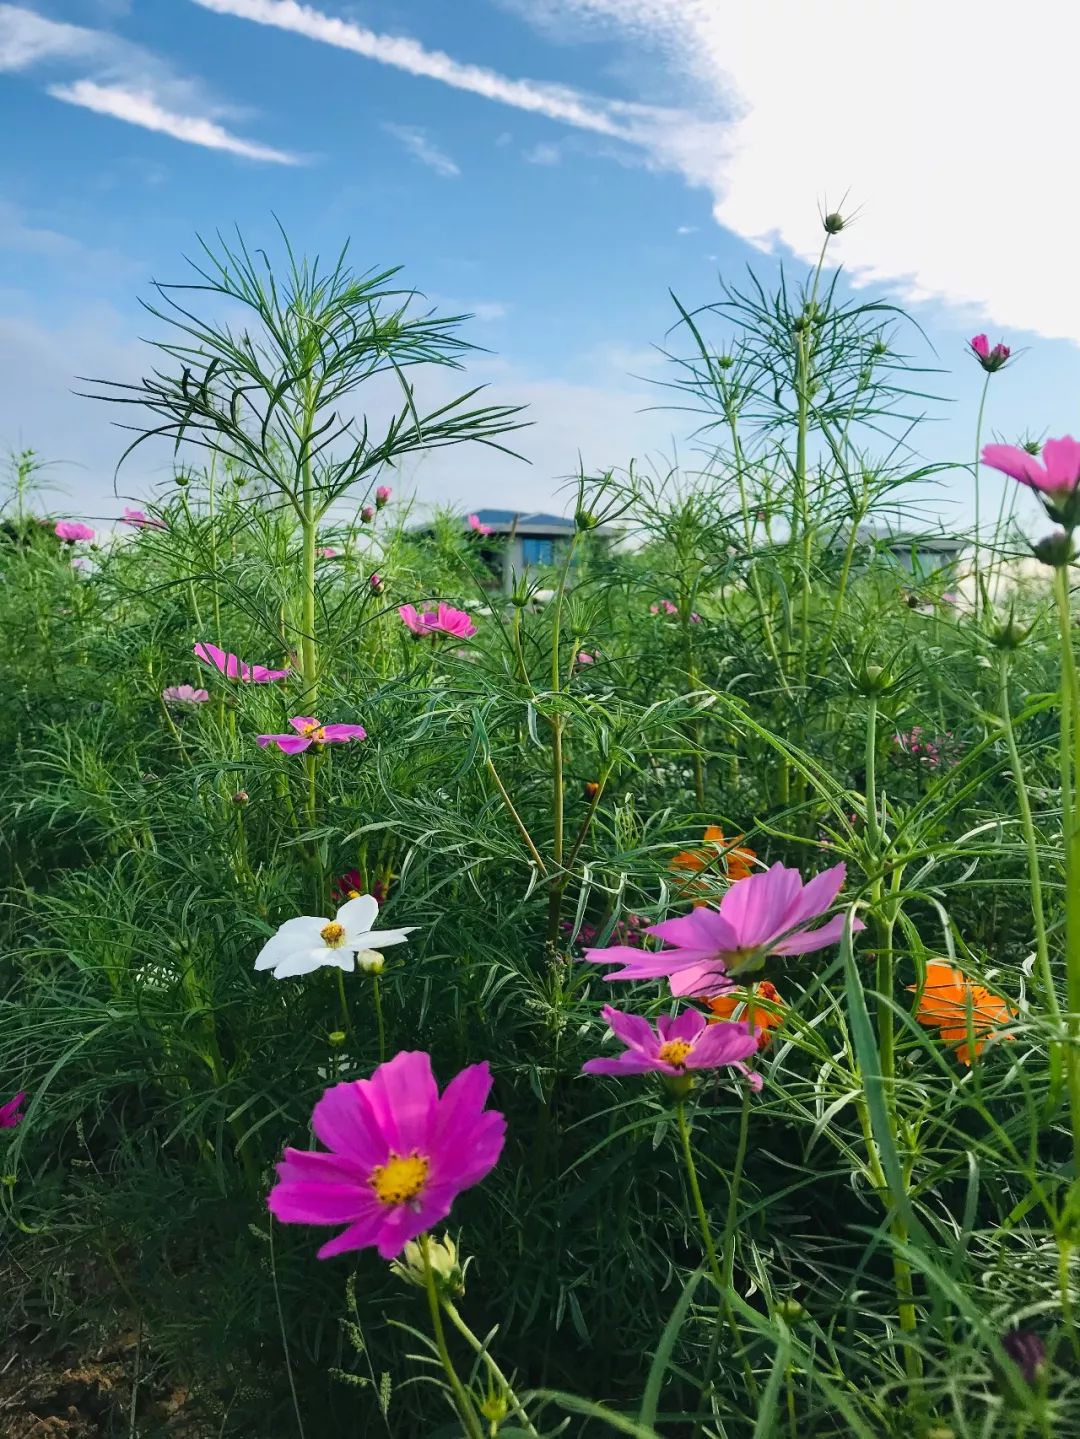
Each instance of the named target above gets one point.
<point>312,731</point>
<point>674,1052</point>
<point>399,1180</point>
<point>353,894</point>
<point>332,934</point>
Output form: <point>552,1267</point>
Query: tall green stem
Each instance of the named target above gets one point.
<point>978,462</point>
<point>451,1312</point>
<point>1027,825</point>
<point>463,1403</point>
<point>1070,769</point>
<point>558,800</point>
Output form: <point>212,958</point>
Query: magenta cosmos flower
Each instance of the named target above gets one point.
<point>71,531</point>
<point>443,621</point>
<point>234,669</point>
<point>687,1041</point>
<point>184,695</point>
<point>990,359</point>
<point>1057,475</point>
<point>476,524</point>
<point>11,1112</point>
<point>763,914</point>
<point>399,1155</point>
<point>141,521</point>
<point>308,732</point>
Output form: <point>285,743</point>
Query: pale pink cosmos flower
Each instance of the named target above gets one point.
<point>236,669</point>
<point>382,495</point>
<point>11,1112</point>
<point>184,695</point>
<point>1057,475</point>
<point>476,524</point>
<point>308,732</point>
<point>584,658</point>
<point>327,552</point>
<point>399,1155</point>
<point>687,1041</point>
<point>72,530</point>
<point>140,520</point>
<point>445,620</point>
<point>990,359</point>
<point>765,913</point>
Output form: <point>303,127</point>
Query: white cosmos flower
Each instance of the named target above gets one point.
<point>308,942</point>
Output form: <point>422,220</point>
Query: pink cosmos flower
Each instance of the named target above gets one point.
<point>475,524</point>
<point>184,695</point>
<point>989,359</point>
<point>326,552</point>
<point>765,913</point>
<point>399,1155</point>
<point>141,521</point>
<point>308,732</point>
<point>234,669</point>
<point>71,531</point>
<point>10,1114</point>
<point>695,618</point>
<point>584,658</point>
<point>367,514</point>
<point>446,621</point>
<point>676,1045</point>
<point>382,494</point>
<point>1058,474</point>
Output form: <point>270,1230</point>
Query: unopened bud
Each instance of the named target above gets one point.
<point>181,479</point>
<point>834,222</point>
<point>336,1038</point>
<point>367,514</point>
<point>790,1311</point>
<point>585,520</point>
<point>1027,1351</point>
<point>370,961</point>
<point>592,789</point>
<point>1055,550</point>
<point>445,1266</point>
<point>241,797</point>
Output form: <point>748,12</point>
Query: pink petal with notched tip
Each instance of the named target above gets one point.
<point>286,743</point>
<point>403,1094</point>
<point>809,940</point>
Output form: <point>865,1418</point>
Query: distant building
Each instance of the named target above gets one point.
<point>521,541</point>
<point>921,555</point>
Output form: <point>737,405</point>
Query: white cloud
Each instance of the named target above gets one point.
<point>421,148</point>
<point>960,189</point>
<point>27,38</point>
<point>558,102</point>
<point>687,230</point>
<point>115,77</point>
<point>543,154</point>
<point>141,108</point>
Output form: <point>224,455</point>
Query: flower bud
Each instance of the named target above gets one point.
<point>367,514</point>
<point>241,797</point>
<point>1027,1351</point>
<point>180,479</point>
<point>586,520</point>
<point>382,495</point>
<point>495,1408</point>
<point>336,1038</point>
<point>1055,549</point>
<point>445,1266</point>
<point>370,961</point>
<point>789,1310</point>
<point>592,789</point>
<point>377,584</point>
<point>833,222</point>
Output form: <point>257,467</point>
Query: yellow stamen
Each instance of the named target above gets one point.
<point>332,934</point>
<point>399,1180</point>
<point>674,1052</point>
<point>312,731</point>
<point>353,894</point>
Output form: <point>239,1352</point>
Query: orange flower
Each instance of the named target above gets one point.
<point>739,860</point>
<point>960,1010</point>
<point>761,1020</point>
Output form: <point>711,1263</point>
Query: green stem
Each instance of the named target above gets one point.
<point>1027,825</point>
<point>695,1193</point>
<point>978,462</point>
<point>558,781</point>
<point>1070,769</point>
<point>734,1185</point>
<point>462,1401</point>
<point>450,1310</point>
<point>376,991</point>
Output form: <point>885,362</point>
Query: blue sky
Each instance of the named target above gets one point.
<point>554,166</point>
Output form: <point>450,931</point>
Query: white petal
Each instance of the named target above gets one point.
<point>305,961</point>
<point>359,913</point>
<point>379,938</point>
<point>299,933</point>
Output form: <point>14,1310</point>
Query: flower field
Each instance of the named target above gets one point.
<point>642,1002</point>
